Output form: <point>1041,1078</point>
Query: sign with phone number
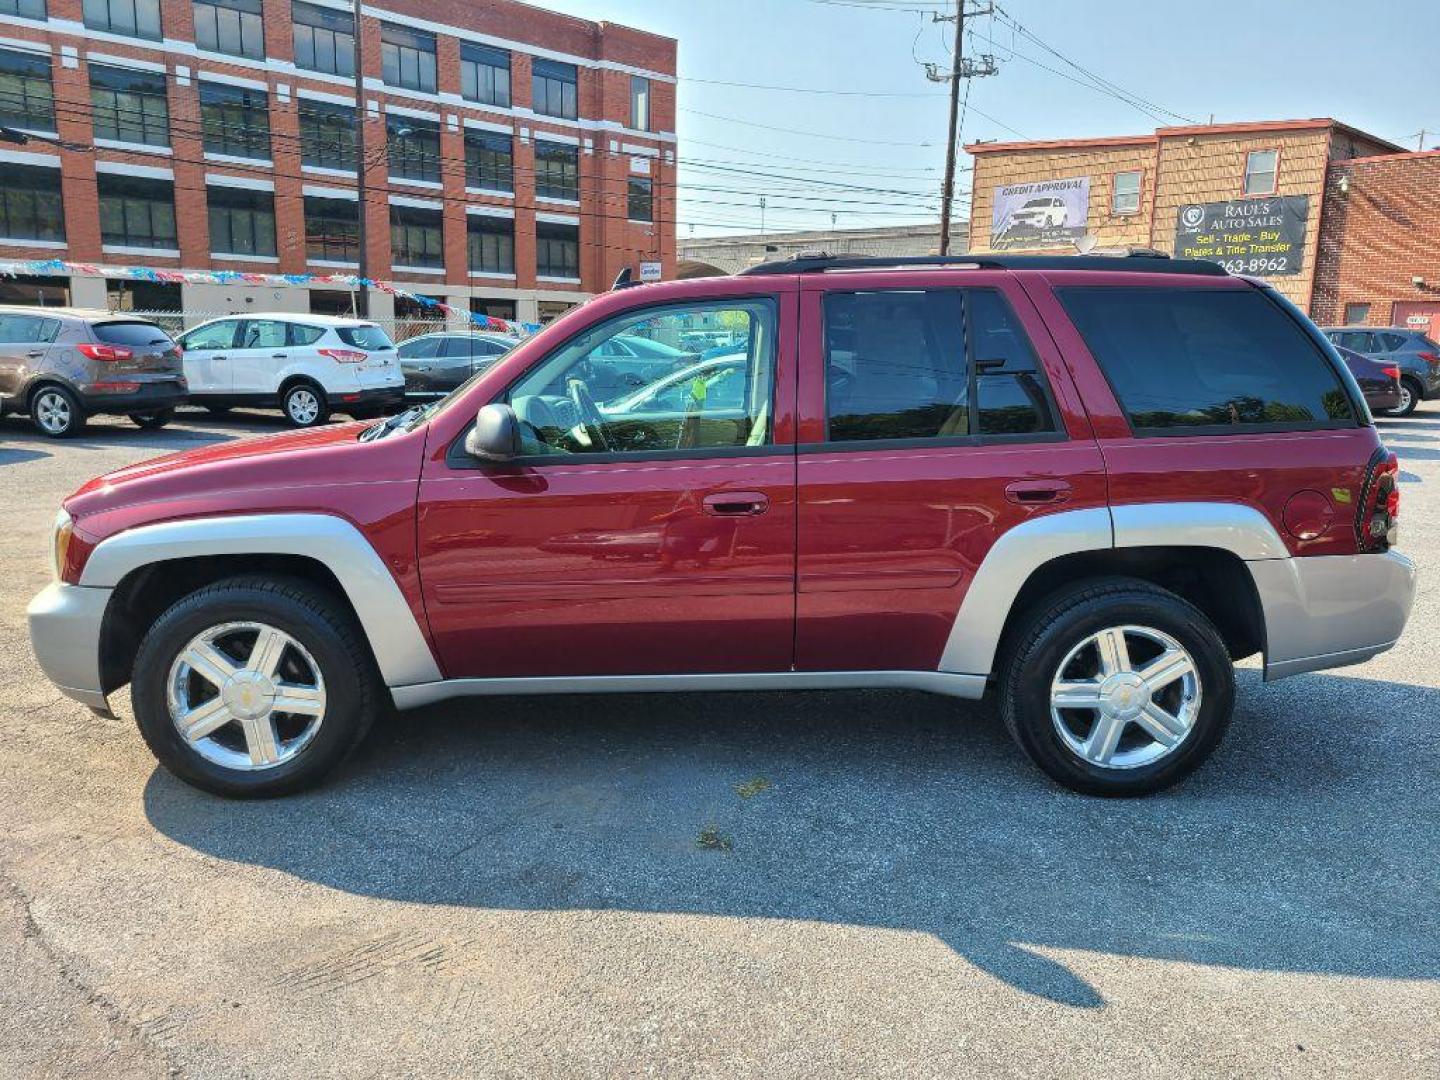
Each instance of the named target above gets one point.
<point>1261,237</point>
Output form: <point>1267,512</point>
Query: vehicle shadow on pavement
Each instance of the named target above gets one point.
<point>1308,844</point>
<point>102,436</point>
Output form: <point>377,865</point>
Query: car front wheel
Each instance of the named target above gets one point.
<point>57,412</point>
<point>1117,687</point>
<point>254,687</point>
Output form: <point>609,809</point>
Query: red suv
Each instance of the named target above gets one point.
<point>1083,485</point>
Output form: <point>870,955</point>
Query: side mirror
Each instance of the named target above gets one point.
<point>496,435</point>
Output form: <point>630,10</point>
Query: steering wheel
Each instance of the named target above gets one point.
<point>590,416</point>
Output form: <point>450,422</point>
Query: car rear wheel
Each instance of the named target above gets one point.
<point>57,412</point>
<point>1117,687</point>
<point>1410,397</point>
<point>154,420</point>
<point>305,405</point>
<point>254,687</point>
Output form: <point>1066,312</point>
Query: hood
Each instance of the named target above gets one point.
<point>217,475</point>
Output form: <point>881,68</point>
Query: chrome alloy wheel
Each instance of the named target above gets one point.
<point>52,411</point>
<point>303,406</point>
<point>1125,697</point>
<point>246,696</point>
<point>1407,400</point>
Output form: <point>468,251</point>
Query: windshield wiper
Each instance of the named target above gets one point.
<point>389,424</point>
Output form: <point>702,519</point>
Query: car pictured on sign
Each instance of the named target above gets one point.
<point>62,365</point>
<point>1081,487</point>
<point>437,363</point>
<point>1049,212</point>
<point>1411,351</point>
<point>306,365</point>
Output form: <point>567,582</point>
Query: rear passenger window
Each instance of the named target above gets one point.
<point>930,364</point>
<point>1391,342</point>
<point>1207,360</point>
<point>305,335</point>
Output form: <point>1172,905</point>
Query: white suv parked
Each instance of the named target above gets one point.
<point>307,365</point>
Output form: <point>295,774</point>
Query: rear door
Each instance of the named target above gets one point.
<point>935,417</point>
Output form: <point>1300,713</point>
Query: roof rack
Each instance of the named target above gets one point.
<point>1135,260</point>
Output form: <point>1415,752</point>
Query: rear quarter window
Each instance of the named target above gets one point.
<point>130,333</point>
<point>364,337</point>
<point>1188,361</point>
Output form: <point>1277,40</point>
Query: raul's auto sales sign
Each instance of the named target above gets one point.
<point>1259,237</point>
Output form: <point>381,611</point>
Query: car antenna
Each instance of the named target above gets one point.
<point>624,280</point>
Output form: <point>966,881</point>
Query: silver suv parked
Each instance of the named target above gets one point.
<point>62,365</point>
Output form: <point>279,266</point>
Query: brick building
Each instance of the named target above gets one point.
<point>1341,222</point>
<point>729,254</point>
<point>516,159</point>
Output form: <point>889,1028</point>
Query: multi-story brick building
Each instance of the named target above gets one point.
<point>515,159</point>
<point>1344,223</point>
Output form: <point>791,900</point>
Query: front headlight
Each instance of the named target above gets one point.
<point>60,542</point>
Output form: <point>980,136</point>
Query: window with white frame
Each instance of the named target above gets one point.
<point>27,98</point>
<point>489,160</point>
<point>236,27</point>
<point>136,211</point>
<point>407,57</point>
<point>1260,169</point>
<point>242,221</point>
<point>492,244</point>
<point>640,199</point>
<point>557,249</point>
<point>556,89</point>
<point>129,105</point>
<point>235,120</point>
<point>639,103</point>
<point>324,39</point>
<point>417,237</point>
<point>412,146</point>
<point>332,229</point>
<point>1126,197</point>
<point>557,170</point>
<point>131,18</point>
<point>327,135</point>
<point>485,74</point>
<point>30,204</point>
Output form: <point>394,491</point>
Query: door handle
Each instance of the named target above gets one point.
<point>1037,492</point>
<point>736,503</point>
<point>35,354</point>
<point>278,356</point>
<point>219,358</point>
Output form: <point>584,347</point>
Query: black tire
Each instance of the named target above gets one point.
<point>1065,619</point>
<point>294,403</point>
<point>152,421</point>
<point>1412,393</point>
<point>56,411</point>
<point>218,410</point>
<point>353,692</point>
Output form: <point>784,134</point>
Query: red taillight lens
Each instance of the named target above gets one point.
<point>1380,504</point>
<point>345,356</point>
<point>105,352</point>
<point>1433,359</point>
<point>1392,373</point>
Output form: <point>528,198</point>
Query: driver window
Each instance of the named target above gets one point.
<point>634,385</point>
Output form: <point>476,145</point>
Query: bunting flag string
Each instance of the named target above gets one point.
<point>43,267</point>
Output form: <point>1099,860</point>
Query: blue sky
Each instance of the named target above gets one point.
<point>1372,65</point>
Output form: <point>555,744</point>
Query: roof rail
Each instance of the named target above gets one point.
<point>1137,260</point>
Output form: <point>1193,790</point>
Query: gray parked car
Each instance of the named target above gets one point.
<point>1416,355</point>
<point>437,363</point>
<point>62,365</point>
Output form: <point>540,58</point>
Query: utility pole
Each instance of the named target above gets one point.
<point>362,291</point>
<point>1423,133</point>
<point>948,193</point>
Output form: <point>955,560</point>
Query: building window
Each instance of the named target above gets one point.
<point>557,250</point>
<point>230,26</point>
<point>413,148</point>
<point>332,229</point>
<point>236,120</point>
<point>1357,314</point>
<point>492,244</point>
<point>242,222</point>
<point>1126,197</point>
<point>489,161</point>
<point>416,237</point>
<point>327,135</point>
<point>1260,166</point>
<point>30,204</point>
<point>129,106</point>
<point>132,18</point>
<point>557,170</point>
<point>26,9</point>
<point>640,200</point>
<point>555,89</point>
<point>136,211</point>
<point>485,74</point>
<point>324,39</point>
<point>639,103</point>
<point>26,97</point>
<point>407,57</point>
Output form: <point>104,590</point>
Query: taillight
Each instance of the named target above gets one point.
<point>345,356</point>
<point>1433,359</point>
<point>105,352</point>
<point>1376,528</point>
<point>1392,373</point>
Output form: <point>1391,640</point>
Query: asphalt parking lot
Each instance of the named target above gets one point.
<point>516,887</point>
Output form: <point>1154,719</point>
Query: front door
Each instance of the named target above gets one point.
<point>640,533</point>
<point>207,351</point>
<point>934,418</point>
